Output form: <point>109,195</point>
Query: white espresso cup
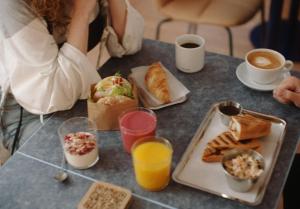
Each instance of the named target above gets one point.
<point>265,66</point>
<point>189,53</point>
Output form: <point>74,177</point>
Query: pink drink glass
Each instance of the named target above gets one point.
<point>136,123</point>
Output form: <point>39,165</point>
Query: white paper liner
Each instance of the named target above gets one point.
<point>178,91</point>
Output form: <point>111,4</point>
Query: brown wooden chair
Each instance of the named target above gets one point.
<point>224,13</point>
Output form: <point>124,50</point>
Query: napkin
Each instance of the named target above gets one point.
<point>178,91</point>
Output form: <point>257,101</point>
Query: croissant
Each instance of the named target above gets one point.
<point>157,83</point>
<point>247,126</point>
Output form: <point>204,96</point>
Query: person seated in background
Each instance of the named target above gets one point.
<point>289,92</point>
<point>44,65</point>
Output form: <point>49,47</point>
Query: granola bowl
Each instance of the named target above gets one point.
<point>242,168</point>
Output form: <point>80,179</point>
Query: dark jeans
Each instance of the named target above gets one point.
<point>291,190</point>
<point>10,120</point>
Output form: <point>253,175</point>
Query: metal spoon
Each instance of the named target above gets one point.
<point>62,175</point>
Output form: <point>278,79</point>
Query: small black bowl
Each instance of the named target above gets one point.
<point>227,109</point>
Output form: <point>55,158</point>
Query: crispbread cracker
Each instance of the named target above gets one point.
<point>103,195</point>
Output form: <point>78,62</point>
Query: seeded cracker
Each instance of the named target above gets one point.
<point>105,196</point>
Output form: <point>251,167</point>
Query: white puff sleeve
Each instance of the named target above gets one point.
<point>43,78</point>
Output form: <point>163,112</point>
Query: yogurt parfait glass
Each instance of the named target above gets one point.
<point>78,137</point>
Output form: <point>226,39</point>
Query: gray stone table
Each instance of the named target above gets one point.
<point>26,180</point>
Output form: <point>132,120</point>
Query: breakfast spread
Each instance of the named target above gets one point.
<point>216,148</point>
<point>105,196</point>
<point>245,126</point>
<point>157,83</point>
<point>244,166</point>
<point>80,149</point>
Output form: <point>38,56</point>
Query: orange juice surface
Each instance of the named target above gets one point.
<point>152,163</point>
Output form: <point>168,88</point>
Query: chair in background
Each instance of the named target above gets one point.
<point>224,13</point>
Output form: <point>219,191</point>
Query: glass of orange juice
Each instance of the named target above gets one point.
<point>152,159</point>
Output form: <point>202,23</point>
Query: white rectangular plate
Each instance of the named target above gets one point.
<point>177,90</point>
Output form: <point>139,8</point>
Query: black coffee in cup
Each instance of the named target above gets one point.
<point>189,53</point>
<point>189,45</point>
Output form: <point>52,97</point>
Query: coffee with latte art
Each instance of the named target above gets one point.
<point>264,60</point>
<point>265,66</point>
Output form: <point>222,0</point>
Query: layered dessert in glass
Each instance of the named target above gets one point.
<point>81,149</point>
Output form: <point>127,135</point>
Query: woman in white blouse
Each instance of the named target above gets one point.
<point>44,46</point>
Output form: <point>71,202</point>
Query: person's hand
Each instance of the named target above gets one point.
<point>288,91</point>
<point>84,7</point>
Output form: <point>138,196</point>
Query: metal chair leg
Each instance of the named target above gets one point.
<point>195,29</point>
<point>230,41</point>
<point>192,29</point>
<point>263,24</point>
<point>159,26</point>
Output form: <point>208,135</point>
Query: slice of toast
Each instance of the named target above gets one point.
<point>103,195</point>
<point>246,126</point>
<point>215,148</point>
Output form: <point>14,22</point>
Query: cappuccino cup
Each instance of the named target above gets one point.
<point>189,53</point>
<point>265,66</point>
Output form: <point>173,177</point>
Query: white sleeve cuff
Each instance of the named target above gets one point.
<point>133,35</point>
<point>89,76</point>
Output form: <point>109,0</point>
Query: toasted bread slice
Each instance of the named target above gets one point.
<point>247,126</point>
<point>215,149</point>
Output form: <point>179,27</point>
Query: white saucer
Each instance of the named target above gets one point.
<point>241,73</point>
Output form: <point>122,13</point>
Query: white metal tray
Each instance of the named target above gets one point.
<point>209,177</point>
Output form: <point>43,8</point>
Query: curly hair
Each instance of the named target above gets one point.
<point>55,12</point>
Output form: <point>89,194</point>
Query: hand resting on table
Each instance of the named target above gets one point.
<point>288,91</point>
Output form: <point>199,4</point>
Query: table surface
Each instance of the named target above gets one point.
<point>26,180</point>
